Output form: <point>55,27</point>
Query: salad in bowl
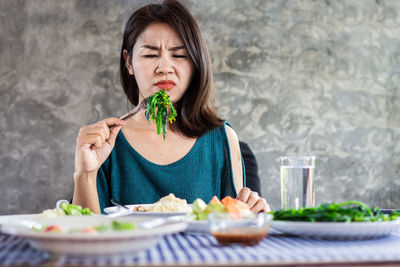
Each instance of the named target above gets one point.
<point>237,208</point>
<point>230,221</point>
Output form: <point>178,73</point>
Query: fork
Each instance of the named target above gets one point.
<point>131,113</point>
<point>117,203</point>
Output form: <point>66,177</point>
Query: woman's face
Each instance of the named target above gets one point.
<point>160,61</point>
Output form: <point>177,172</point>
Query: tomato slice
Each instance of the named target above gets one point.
<point>53,228</point>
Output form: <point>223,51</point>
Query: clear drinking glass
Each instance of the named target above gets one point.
<point>297,182</point>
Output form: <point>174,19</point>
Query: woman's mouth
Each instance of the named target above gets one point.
<point>165,84</point>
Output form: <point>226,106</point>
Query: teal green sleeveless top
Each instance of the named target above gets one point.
<point>205,171</point>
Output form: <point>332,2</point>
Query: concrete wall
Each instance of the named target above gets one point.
<point>294,78</point>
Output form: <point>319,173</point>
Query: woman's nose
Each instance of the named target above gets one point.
<point>165,65</point>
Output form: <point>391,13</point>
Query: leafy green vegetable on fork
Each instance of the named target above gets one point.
<point>157,110</point>
<point>350,211</point>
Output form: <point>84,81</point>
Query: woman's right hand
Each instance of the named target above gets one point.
<point>95,143</point>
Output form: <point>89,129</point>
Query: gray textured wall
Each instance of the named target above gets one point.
<point>294,78</point>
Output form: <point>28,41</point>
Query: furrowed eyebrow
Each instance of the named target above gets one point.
<point>177,48</point>
<point>152,47</point>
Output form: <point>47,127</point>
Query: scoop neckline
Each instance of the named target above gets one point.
<point>145,160</point>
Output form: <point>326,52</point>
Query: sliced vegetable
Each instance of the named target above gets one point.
<point>238,208</point>
<point>122,226</point>
<point>234,206</point>
<point>53,228</point>
<point>39,228</point>
<point>101,228</point>
<point>199,205</point>
<point>215,199</point>
<point>89,230</point>
<point>215,207</point>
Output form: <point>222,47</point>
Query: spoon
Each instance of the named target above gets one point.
<point>60,202</point>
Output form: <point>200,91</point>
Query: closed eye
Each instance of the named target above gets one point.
<point>149,56</point>
<point>179,56</point>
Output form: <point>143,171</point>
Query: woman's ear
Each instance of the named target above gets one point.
<point>128,64</point>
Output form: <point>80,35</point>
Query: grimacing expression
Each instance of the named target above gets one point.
<point>160,61</point>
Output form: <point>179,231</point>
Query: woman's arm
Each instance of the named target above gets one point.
<point>93,146</point>
<point>85,191</point>
<point>236,158</point>
<point>251,198</point>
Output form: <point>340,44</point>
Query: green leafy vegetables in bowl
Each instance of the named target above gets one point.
<point>157,108</point>
<point>350,211</point>
<point>75,210</point>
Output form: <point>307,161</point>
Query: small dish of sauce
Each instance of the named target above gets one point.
<point>245,236</point>
<point>229,230</point>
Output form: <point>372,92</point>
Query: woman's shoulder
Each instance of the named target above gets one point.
<point>224,131</point>
<point>230,133</point>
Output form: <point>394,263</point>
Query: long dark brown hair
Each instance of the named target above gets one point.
<point>196,114</point>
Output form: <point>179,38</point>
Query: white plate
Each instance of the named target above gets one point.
<point>90,244</point>
<point>114,209</point>
<point>7,218</point>
<point>337,230</point>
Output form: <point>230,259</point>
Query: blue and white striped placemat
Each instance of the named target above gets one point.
<point>17,251</point>
<point>203,249</point>
<point>187,249</point>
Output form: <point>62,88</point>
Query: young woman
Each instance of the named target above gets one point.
<point>200,157</point>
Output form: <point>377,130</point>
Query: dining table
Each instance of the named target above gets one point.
<point>202,249</point>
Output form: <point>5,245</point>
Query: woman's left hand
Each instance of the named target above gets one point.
<point>253,200</point>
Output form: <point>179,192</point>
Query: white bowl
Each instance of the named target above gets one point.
<point>93,244</point>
